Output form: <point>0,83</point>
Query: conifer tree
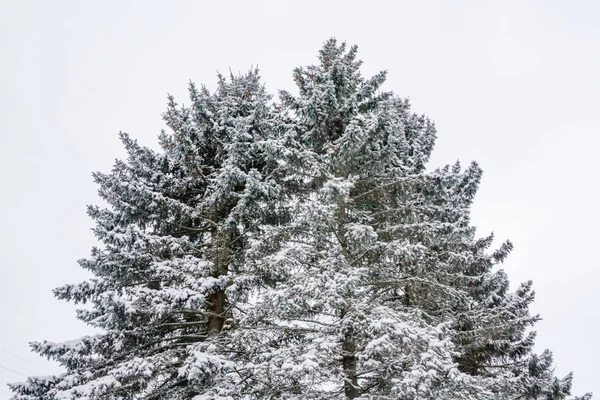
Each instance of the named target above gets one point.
<point>389,293</point>
<point>297,250</point>
<point>171,252</point>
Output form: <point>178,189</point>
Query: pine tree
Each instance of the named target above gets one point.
<point>388,293</point>
<point>297,250</point>
<point>171,252</point>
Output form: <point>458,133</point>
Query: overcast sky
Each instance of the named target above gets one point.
<point>511,84</point>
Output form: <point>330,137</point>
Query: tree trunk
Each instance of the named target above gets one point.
<point>349,364</point>
<point>217,308</point>
<point>218,300</point>
<point>351,388</point>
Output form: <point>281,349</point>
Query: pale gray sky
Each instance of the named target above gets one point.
<point>511,84</point>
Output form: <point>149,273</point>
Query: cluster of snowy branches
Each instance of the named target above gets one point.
<point>295,249</point>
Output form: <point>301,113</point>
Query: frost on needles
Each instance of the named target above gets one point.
<point>295,249</point>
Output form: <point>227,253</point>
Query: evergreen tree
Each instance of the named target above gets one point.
<point>388,293</point>
<point>172,239</point>
<point>298,250</point>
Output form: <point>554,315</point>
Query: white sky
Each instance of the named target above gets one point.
<point>511,84</point>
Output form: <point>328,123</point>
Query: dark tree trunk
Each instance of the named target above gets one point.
<point>217,307</point>
<point>351,388</point>
<point>349,364</point>
<point>218,300</point>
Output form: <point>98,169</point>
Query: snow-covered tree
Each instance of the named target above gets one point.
<point>298,250</point>
<point>171,237</point>
<point>386,291</point>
